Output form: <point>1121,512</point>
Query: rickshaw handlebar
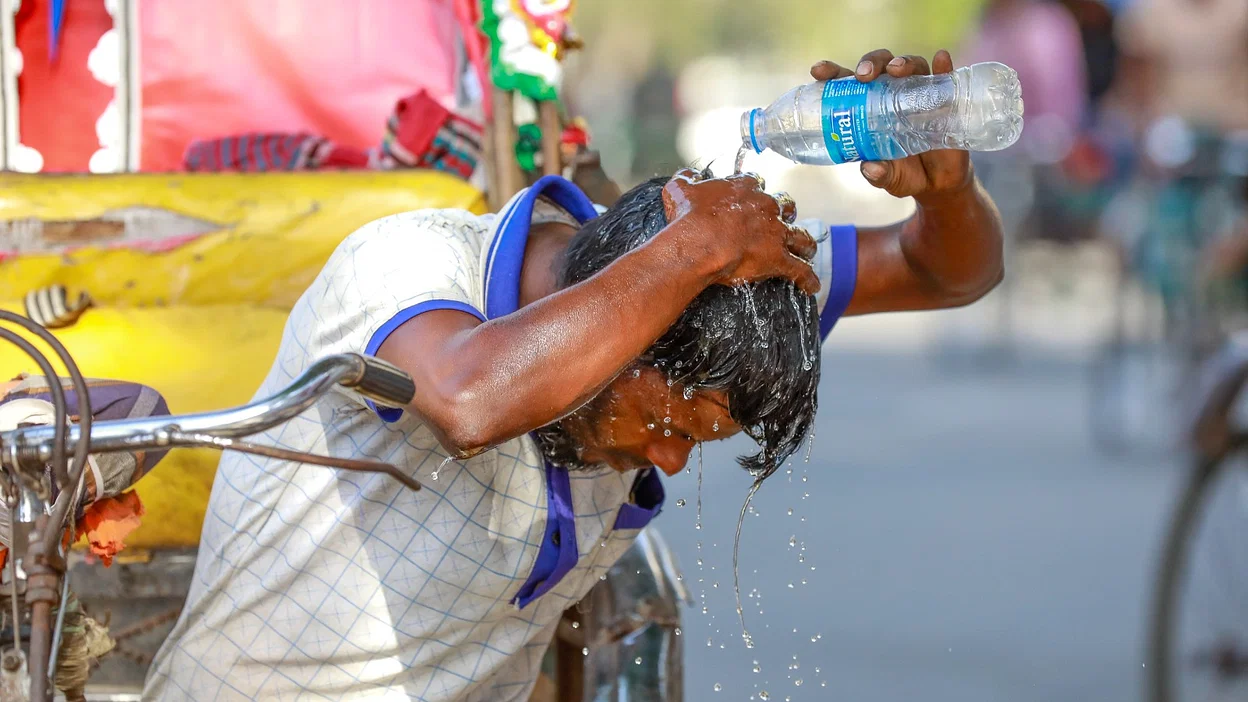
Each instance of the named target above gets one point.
<point>368,376</point>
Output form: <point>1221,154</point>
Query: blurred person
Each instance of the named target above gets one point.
<point>1195,54</point>
<point>1041,40</point>
<point>1095,20</point>
<point>654,123</point>
<point>562,360</point>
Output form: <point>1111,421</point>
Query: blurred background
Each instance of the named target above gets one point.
<point>981,515</point>
<point>981,512</point>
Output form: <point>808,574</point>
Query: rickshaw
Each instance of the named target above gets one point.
<point>182,280</point>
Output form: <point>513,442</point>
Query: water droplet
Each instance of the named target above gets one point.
<point>812,640</point>
<point>805,478</point>
<point>650,426</point>
<point>697,525</point>
<point>749,640</point>
<point>699,562</point>
<point>602,577</point>
<point>717,687</point>
<point>757,667</point>
<point>793,541</point>
<point>576,625</point>
<point>636,373</point>
<point>584,651</point>
<point>678,632</point>
<point>667,420</point>
<point>805,495</point>
<point>790,511</point>
<point>823,684</point>
<point>637,660</point>
<point>680,502</point>
<point>762,695</point>
<point>801,558</point>
<point>667,432</point>
<point>816,670</point>
<point>688,393</point>
<point>708,642</point>
<point>669,382</point>
<point>680,577</point>
<point>715,585</point>
<point>715,426</point>
<point>434,475</point>
<point>806,365</point>
<point>803,581</point>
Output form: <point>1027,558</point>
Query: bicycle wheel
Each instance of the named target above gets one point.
<point>1198,640</point>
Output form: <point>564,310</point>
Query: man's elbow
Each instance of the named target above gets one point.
<point>973,293</point>
<point>461,425</point>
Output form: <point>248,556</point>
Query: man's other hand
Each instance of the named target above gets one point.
<point>928,174</point>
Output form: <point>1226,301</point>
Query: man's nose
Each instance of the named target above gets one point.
<point>669,455</point>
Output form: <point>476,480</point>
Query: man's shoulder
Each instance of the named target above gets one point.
<point>432,226</point>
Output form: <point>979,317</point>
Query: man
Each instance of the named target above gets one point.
<point>558,358</point>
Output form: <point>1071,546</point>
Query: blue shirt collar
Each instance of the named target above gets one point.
<point>504,254</point>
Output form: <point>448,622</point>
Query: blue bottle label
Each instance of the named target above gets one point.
<point>845,130</point>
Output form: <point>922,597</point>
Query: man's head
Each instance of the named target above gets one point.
<point>743,358</point>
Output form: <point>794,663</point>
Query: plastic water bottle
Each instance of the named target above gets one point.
<point>976,108</point>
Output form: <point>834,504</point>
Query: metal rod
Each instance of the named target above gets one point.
<point>11,503</point>
<point>9,134</point>
<point>60,611</point>
<point>182,439</point>
<point>129,85</point>
<point>128,434</point>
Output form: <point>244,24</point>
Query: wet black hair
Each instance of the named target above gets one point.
<point>759,343</point>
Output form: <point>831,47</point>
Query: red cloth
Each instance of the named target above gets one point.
<point>60,101</point>
<point>421,133</point>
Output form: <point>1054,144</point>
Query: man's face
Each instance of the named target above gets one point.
<point>639,421</point>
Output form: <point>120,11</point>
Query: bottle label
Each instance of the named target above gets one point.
<point>845,130</point>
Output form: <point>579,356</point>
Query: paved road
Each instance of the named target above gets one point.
<point>963,542</point>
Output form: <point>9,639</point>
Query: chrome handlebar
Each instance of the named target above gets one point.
<point>369,376</point>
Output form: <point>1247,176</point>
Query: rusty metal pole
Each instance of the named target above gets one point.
<point>44,570</point>
<point>552,134</point>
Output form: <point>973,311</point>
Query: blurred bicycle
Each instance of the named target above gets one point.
<point>1169,314</point>
<point>1198,638</point>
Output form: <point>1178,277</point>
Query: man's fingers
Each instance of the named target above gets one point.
<point>878,173</point>
<point>687,174</point>
<point>872,65</point>
<point>942,62</point>
<point>801,243</point>
<point>748,178</point>
<point>903,66</point>
<point>804,276</point>
<point>829,70</point>
<point>788,207</point>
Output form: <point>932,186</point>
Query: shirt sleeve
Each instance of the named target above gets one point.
<point>836,263</point>
<point>383,275</point>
